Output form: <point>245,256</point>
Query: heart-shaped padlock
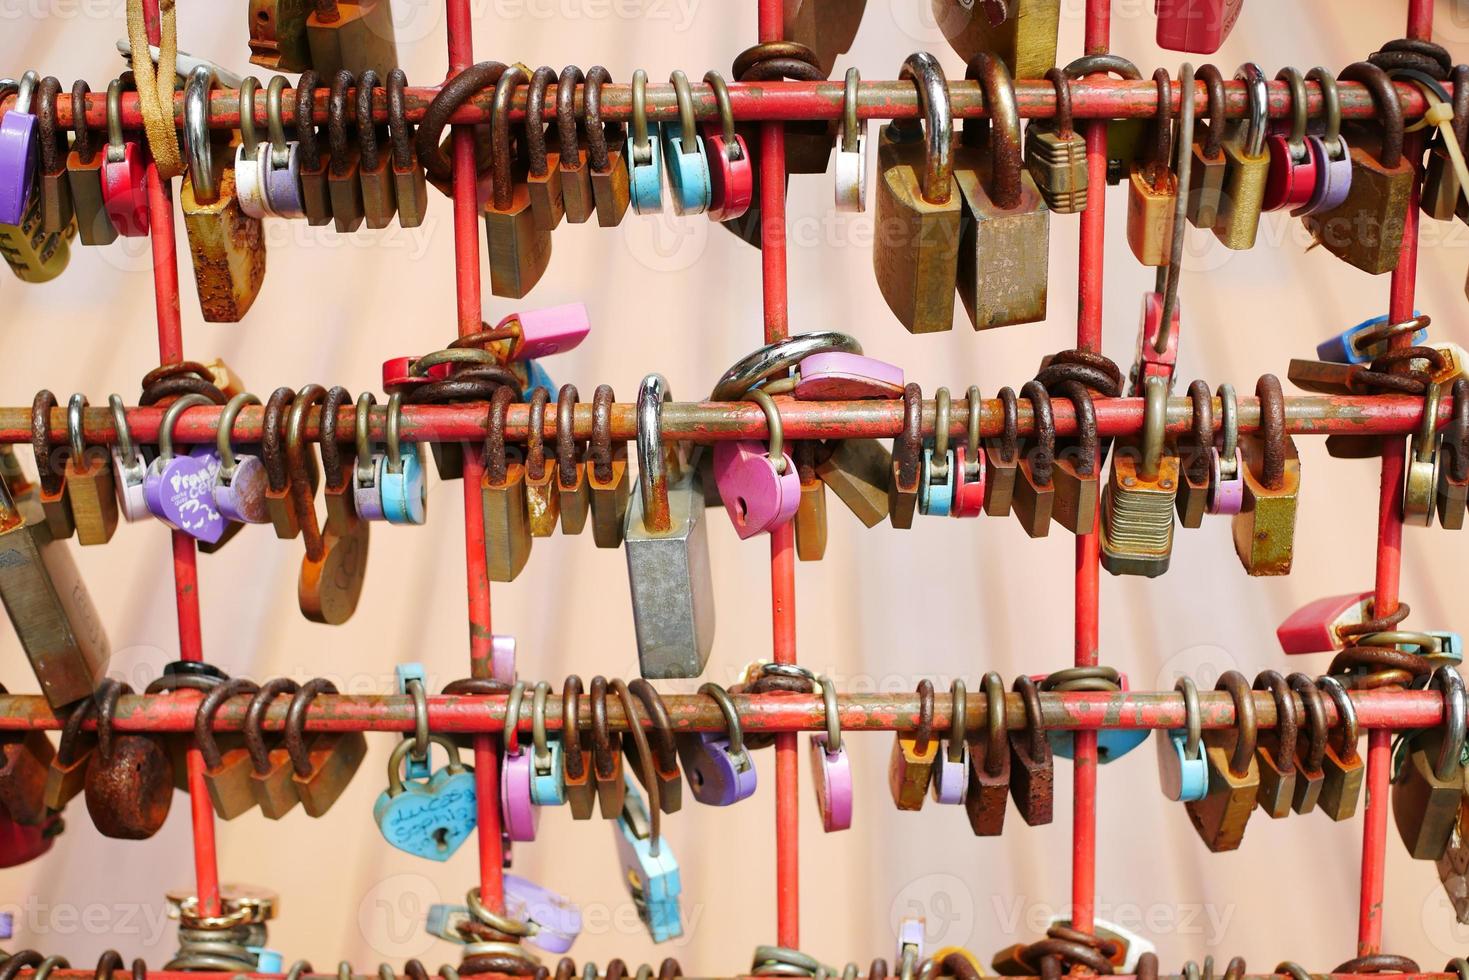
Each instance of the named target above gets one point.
<point>428,818</point>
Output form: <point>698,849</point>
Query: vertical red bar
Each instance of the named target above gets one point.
<point>1087,590</point>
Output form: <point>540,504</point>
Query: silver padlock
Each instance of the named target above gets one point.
<point>667,546</point>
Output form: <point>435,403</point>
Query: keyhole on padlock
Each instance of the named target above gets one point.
<point>741,517</point>
<point>441,838</point>
<point>697,778</point>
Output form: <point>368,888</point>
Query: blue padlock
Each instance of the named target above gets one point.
<point>535,377</point>
<point>1112,743</point>
<point>684,154</point>
<point>1183,770</point>
<point>267,960</point>
<point>645,177</point>
<point>936,499</point>
<point>649,870</point>
<point>1367,341</point>
<point>431,818</point>
<point>404,487</point>
<point>406,674</point>
<point>547,775</point>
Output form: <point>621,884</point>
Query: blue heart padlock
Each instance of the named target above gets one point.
<point>429,818</point>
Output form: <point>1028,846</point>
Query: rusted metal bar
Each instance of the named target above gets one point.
<point>763,712</point>
<point>26,974</point>
<point>715,421</point>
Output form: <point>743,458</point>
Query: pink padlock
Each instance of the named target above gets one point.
<point>759,493</point>
<point>1227,481</point>
<point>1150,361</point>
<point>831,770</point>
<point>839,376</point>
<point>502,658</point>
<point>1313,627</point>
<point>541,333</point>
<point>519,816</point>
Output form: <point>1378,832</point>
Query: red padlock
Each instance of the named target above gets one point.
<point>1151,362</point>
<point>398,376</point>
<point>731,170</point>
<point>1291,179</point>
<point>968,484</point>
<point>1313,627</point>
<point>124,173</point>
<point>19,843</point>
<point>1199,26</point>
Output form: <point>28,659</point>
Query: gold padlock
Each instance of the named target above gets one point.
<point>1264,530</point>
<point>1208,166</point>
<point>357,35</point>
<point>1234,775</point>
<point>1021,32</point>
<point>1055,153</point>
<point>1153,190</point>
<point>907,461</point>
<point>1247,166</point>
<point>519,249</point>
<point>1421,482</point>
<point>507,523</point>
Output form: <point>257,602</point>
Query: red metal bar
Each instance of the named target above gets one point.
<point>760,101</point>
<point>67,974</point>
<point>713,421</point>
<point>1078,711</point>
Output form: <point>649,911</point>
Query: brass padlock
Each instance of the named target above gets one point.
<point>1275,748</point>
<point>811,512</point>
<point>1032,765</point>
<point>357,35</point>
<point>1209,165</point>
<point>343,161</point>
<point>321,769</point>
<point>1441,188</point>
<point>278,496</point>
<point>1247,166</point>
<point>611,193</point>
<point>1021,32</point>
<point>278,34</point>
<point>270,767</point>
<point>1264,530</point>
<point>542,498</point>
<point>1310,752</point>
<point>606,755</point>
<point>507,521</point>
<point>1153,190</point>
<point>410,185</point>
<point>581,792</point>
<point>227,246</point>
<point>1035,488</point>
<point>375,179</point>
<point>1196,467</point>
<point>1342,767</point>
<point>1421,481</point>
<point>84,177</point>
<point>544,175</point>
<point>606,474</point>
<point>226,771</point>
<point>1075,473</point>
<point>1453,471</point>
<point>56,206</point>
<point>89,482</point>
<point>1137,506</point>
<point>1055,153</point>
<point>576,175</point>
<point>906,470</point>
<point>1428,790</point>
<point>335,564</point>
<point>519,249</point>
<point>659,743</point>
<point>1002,459</point>
<point>860,473</point>
<point>1234,775</point>
<point>666,539</point>
<point>67,775</point>
<point>1005,245</point>
<point>989,765</point>
<point>50,469</point>
<point>45,596</point>
<point>571,465</point>
<point>918,219</point>
<point>1366,229</point>
<point>910,767</point>
<point>313,164</point>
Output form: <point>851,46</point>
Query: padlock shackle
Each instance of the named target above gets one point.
<point>1389,107</point>
<point>1155,422</point>
<point>767,362</point>
<point>504,186</point>
<point>222,442</point>
<point>171,419</point>
<point>1193,719</point>
<point>196,132</point>
<point>1171,274</point>
<point>1004,186</point>
<point>1447,679</point>
<point>1244,713</point>
<point>1255,126</point>
<point>652,465</point>
<point>924,70</point>
<point>1213,81</point>
<point>851,127</point>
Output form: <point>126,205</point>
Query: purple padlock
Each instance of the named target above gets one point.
<point>556,921</point>
<point>519,816</point>
<point>179,490</point>
<point>759,494</point>
<point>240,492</point>
<point>839,376</point>
<point>831,775</point>
<point>1333,177</point>
<point>502,658</point>
<point>1227,482</point>
<point>541,333</point>
<point>719,768</point>
<point>18,154</point>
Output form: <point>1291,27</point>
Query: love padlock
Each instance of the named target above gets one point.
<point>555,921</point>
<point>1183,772</point>
<point>180,489</point>
<point>761,490</point>
<point>719,768</point>
<point>1198,26</point>
<point>428,818</point>
<point>519,814</point>
<point>18,153</point>
<point>548,767</point>
<point>649,868</point>
<point>951,768</point>
<point>1332,155</point>
<point>1226,476</point>
<point>1291,180</point>
<point>731,168</point>
<point>842,376</point>
<point>1315,627</point>
<point>541,333</point>
<point>240,493</point>
<point>684,154</point>
<point>124,173</point>
<point>1371,338</point>
<point>831,769</point>
<point>129,469</point>
<point>1112,743</point>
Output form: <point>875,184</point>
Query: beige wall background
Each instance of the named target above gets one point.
<point>883,610</point>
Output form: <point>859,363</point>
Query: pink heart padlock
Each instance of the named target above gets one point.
<point>545,332</point>
<point>839,376</point>
<point>759,494</point>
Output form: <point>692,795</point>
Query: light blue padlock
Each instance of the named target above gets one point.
<point>645,177</point>
<point>936,485</point>
<point>1183,772</point>
<point>413,682</point>
<point>547,782</point>
<point>1112,743</point>
<point>429,818</point>
<point>267,960</point>
<point>1369,340</point>
<point>403,484</point>
<point>684,155</point>
<point>649,868</point>
<point>535,377</point>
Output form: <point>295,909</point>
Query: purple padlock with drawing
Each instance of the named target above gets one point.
<point>179,490</point>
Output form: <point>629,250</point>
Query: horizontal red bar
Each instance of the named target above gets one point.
<point>712,421</point>
<point>766,712</point>
<point>755,101</point>
<point>180,975</point>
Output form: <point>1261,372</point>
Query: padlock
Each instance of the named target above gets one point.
<point>851,151</point>
<point>45,596</point>
<point>649,869</point>
<point>1372,338</point>
<point>542,499</point>
<point>720,770</point>
<point>1366,229</point>
<point>1332,155</point>
<point>1275,748</point>
<point>1421,482</point>
<point>969,468</point>
<point>84,177</point>
<point>950,783</point>
<point>1075,470</point>
<point>906,470</point>
<point>573,491</point>
<point>519,250</point>
<point>506,519</point>
<point>1264,530</point>
<point>1138,503</point>
<point>180,489</point>
<point>667,545</point>
<point>760,490</point>
<point>810,519</point>
<point>918,224</point>
<point>430,817</point>
<point>607,477</point>
<point>1002,459</point>
<point>643,152</point>
<point>335,564</point>
<point>611,192</point>
<point>1442,190</point>
<point>1032,766</point>
<point>374,177</point>
<point>67,775</point>
<point>1226,482</point>
<point>544,176</point>
<point>1247,166</point>
<point>1183,772</point>
<point>859,472</point>
<point>1055,153</point>
<point>278,494</point>
<point>18,153</point>
<point>1342,767</point>
<point>1428,789</point>
<point>355,35</point>
<point>50,469</point>
<point>1035,488</point>
<point>322,768</point>
<point>1234,775</point>
<point>1153,189</point>
<point>1201,460</point>
<point>519,814</point>
<point>1022,33</point>
<point>1309,752</point>
<point>25,765</point>
<point>239,493</point>
<point>1292,178</point>
<point>547,785</point>
<point>226,245</point>
<point>1124,136</point>
<point>1005,238</point>
<point>128,467</point>
<point>911,765</point>
<point>270,768</point>
<point>410,187</point>
<point>90,488</point>
<point>344,160</point>
<point>57,213</point>
<point>607,763</point>
<point>989,765</point>
<point>1453,472</point>
<point>1316,626</point>
<point>1208,165</point>
<point>831,769</point>
<point>312,165</point>
<point>124,173</point>
<point>683,154</point>
<point>936,474</point>
<point>581,791</point>
<point>226,770</point>
<point>575,173</point>
<point>278,34</point>
<point>252,157</point>
<point>130,778</point>
<point>1198,26</point>
<point>843,376</point>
